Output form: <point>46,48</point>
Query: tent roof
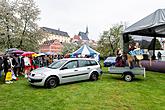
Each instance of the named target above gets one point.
<point>85,50</point>
<point>151,25</point>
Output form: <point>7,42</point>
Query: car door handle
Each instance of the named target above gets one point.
<point>88,68</point>
<point>75,70</point>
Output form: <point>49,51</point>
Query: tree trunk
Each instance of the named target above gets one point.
<point>23,33</point>
<point>8,37</point>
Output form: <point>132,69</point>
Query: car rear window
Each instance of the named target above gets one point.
<point>93,62</point>
<point>83,63</point>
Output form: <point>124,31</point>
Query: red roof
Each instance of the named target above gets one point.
<point>76,37</point>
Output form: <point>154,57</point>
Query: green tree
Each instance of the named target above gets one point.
<point>157,45</point>
<point>8,23</point>
<point>18,27</point>
<point>70,47</point>
<point>28,14</point>
<point>110,40</point>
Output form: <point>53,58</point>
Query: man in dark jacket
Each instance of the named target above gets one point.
<point>1,65</point>
<point>7,65</point>
<point>16,65</point>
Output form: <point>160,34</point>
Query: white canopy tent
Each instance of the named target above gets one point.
<point>86,50</point>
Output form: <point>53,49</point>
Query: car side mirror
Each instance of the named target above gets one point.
<point>63,68</point>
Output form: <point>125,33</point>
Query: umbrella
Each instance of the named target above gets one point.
<point>36,55</point>
<point>49,53</point>
<point>28,53</point>
<point>11,49</point>
<point>17,52</point>
<point>41,54</point>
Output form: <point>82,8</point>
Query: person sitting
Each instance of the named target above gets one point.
<point>119,60</point>
<point>134,55</point>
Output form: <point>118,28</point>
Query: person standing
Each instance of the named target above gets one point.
<point>27,65</point>
<point>16,65</point>
<point>36,62</point>
<point>21,60</point>
<point>7,65</point>
<point>1,66</point>
<point>159,55</point>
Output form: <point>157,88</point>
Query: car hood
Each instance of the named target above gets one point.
<point>41,70</point>
<point>44,70</point>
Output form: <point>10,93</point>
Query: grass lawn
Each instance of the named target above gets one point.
<point>109,93</point>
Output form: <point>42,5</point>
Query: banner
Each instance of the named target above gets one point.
<point>137,52</point>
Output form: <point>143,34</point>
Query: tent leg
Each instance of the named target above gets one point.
<point>154,43</point>
<point>125,43</point>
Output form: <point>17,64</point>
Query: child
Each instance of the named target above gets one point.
<point>8,78</point>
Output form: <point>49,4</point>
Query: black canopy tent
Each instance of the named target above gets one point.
<point>152,25</point>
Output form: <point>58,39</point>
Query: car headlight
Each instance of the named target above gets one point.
<point>39,75</point>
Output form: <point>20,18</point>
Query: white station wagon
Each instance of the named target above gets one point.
<point>65,70</point>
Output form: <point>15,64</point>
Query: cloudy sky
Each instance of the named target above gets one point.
<point>73,16</point>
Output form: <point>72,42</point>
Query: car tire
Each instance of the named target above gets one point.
<point>51,82</point>
<point>94,76</point>
<point>128,77</point>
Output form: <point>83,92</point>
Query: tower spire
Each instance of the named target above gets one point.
<point>87,30</point>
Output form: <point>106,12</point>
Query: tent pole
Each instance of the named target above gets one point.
<point>125,42</point>
<point>154,43</point>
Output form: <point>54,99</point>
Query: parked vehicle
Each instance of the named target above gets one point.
<point>65,70</point>
<point>109,61</point>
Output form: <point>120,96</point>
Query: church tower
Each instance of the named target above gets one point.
<point>87,30</point>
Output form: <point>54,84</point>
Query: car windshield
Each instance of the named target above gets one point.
<point>57,64</point>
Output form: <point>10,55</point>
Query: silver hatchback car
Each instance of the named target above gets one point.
<point>65,70</point>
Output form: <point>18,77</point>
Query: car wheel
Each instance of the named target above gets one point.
<point>94,76</point>
<point>51,82</point>
<point>128,77</point>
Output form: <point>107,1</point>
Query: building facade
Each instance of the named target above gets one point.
<point>52,34</point>
<point>51,46</point>
<point>53,40</point>
<point>82,38</point>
